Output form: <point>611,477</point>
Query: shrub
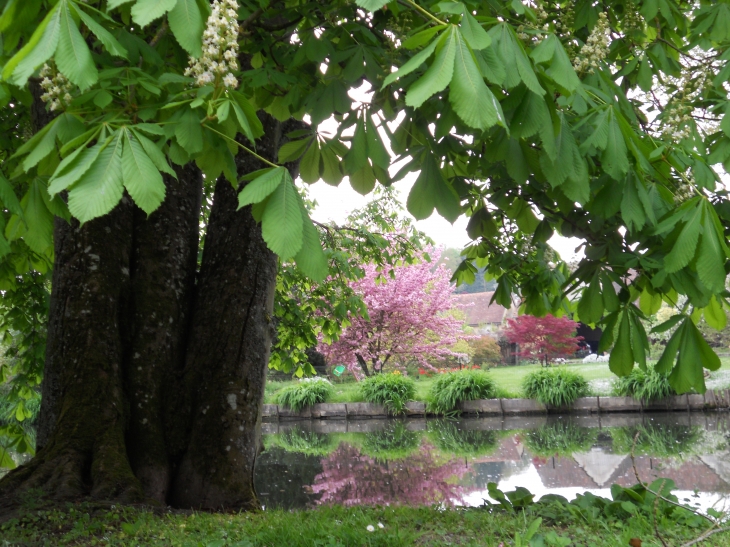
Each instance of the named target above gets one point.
<point>29,409</point>
<point>648,385</point>
<point>305,393</point>
<point>554,386</point>
<point>543,338</point>
<point>464,385</point>
<point>486,350</point>
<point>392,390</point>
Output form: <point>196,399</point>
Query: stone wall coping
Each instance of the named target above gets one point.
<point>711,400</point>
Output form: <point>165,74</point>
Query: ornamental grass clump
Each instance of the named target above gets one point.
<point>647,385</point>
<point>554,386</point>
<point>391,390</point>
<point>305,393</point>
<point>464,385</point>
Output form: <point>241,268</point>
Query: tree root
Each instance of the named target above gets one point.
<point>66,474</point>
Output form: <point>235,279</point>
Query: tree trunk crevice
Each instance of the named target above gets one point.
<point>163,281</point>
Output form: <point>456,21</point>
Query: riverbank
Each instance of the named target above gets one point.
<point>548,524</point>
<point>711,400</point>
<point>508,379</point>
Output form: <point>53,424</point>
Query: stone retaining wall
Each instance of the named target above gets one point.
<point>710,421</point>
<point>712,400</point>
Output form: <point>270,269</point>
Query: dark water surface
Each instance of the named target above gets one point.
<point>422,462</point>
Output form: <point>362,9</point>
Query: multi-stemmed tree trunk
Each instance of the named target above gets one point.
<point>155,367</point>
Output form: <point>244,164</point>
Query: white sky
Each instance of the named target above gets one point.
<point>335,203</point>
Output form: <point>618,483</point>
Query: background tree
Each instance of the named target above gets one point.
<point>543,338</point>
<point>452,258</point>
<point>486,350</point>
<point>306,311</point>
<point>407,319</point>
<point>600,120</point>
<point>23,316</point>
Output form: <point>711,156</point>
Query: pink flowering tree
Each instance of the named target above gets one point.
<point>408,319</point>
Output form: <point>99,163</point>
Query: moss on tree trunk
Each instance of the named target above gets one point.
<point>226,360</point>
<point>229,349</point>
<point>83,413</point>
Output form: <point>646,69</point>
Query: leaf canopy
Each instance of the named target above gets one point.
<point>585,121</point>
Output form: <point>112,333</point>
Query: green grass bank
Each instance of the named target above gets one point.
<point>85,525</point>
<point>508,379</point>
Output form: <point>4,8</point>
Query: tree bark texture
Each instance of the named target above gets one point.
<point>231,339</point>
<point>230,346</point>
<point>82,421</point>
<point>154,375</point>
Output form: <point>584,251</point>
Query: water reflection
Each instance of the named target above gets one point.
<point>421,462</point>
<point>350,477</point>
<point>658,440</point>
<point>394,442</point>
<point>450,438</point>
<point>559,438</point>
<point>303,441</point>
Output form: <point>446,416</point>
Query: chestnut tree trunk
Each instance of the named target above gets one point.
<point>155,364</point>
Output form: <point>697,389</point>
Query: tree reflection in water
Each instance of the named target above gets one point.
<point>351,478</point>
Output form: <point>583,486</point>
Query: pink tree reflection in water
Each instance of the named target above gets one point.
<point>351,478</point>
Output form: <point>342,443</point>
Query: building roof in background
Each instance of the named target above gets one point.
<point>479,311</point>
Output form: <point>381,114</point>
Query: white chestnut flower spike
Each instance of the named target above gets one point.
<point>56,87</point>
<point>220,47</point>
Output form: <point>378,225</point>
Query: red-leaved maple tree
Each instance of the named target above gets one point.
<point>408,319</point>
<point>543,338</point>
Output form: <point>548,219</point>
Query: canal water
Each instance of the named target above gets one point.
<point>451,462</point>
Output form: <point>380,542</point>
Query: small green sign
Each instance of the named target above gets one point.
<point>338,370</point>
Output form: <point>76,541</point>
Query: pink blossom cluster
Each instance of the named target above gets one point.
<point>408,320</point>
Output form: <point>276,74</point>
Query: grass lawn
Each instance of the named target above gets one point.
<point>83,524</point>
<point>509,380</point>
